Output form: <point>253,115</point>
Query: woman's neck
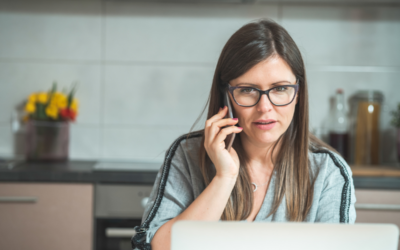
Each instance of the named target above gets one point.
<point>260,157</point>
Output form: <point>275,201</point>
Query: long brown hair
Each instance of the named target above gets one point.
<point>251,44</point>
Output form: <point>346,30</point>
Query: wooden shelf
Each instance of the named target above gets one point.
<point>375,171</point>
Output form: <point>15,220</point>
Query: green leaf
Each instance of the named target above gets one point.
<point>71,95</point>
<point>41,111</point>
<point>51,92</point>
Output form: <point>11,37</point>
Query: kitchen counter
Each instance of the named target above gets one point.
<point>79,172</point>
<point>371,177</point>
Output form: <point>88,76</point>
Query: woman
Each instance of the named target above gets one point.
<point>275,171</point>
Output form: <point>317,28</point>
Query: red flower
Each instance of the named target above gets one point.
<point>68,114</point>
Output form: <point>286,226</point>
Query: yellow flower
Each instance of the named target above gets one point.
<point>32,98</point>
<point>59,100</point>
<point>74,105</point>
<point>30,107</point>
<point>52,111</point>
<point>42,97</point>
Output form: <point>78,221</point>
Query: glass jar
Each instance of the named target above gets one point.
<point>47,140</point>
<point>365,116</point>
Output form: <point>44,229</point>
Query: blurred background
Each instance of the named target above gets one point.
<point>143,71</point>
<point>145,68</point>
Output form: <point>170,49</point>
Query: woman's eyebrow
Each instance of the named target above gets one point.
<point>257,85</point>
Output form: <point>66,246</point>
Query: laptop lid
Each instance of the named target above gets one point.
<point>196,235</point>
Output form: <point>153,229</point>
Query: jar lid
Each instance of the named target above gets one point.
<point>369,95</point>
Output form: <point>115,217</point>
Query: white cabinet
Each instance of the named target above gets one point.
<point>378,206</point>
<point>46,216</point>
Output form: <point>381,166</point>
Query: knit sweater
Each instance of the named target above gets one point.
<point>179,182</point>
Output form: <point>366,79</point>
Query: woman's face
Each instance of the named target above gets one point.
<point>265,75</point>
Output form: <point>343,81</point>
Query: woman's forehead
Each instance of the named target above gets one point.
<point>268,72</point>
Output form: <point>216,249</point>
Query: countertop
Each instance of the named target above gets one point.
<point>142,173</point>
<point>79,172</point>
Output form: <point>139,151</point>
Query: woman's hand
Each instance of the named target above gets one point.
<point>226,163</point>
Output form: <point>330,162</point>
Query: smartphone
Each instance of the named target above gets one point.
<point>229,138</point>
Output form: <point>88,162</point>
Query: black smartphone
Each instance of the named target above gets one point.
<point>229,138</point>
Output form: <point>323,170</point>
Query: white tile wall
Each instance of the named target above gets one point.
<point>345,35</point>
<point>50,30</point>
<point>175,32</point>
<point>140,143</point>
<point>155,95</point>
<point>145,68</point>
<point>85,142</point>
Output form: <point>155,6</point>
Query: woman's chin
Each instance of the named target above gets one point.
<point>266,140</point>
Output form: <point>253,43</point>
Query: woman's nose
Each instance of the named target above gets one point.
<point>264,105</point>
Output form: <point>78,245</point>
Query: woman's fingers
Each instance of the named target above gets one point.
<point>225,132</point>
<point>219,125</point>
<point>215,131</point>
<point>220,115</point>
<point>209,137</point>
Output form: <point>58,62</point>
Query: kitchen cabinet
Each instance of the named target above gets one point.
<point>46,216</point>
<point>378,206</point>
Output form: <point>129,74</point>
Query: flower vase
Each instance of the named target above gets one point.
<point>47,140</point>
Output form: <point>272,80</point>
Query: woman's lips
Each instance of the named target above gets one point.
<point>265,124</point>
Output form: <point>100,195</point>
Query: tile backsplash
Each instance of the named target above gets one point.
<point>145,69</point>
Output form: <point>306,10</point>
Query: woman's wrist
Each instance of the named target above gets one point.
<point>224,178</point>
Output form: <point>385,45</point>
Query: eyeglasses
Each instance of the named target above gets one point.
<point>281,95</point>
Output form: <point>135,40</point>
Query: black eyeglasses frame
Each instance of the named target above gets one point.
<point>295,86</point>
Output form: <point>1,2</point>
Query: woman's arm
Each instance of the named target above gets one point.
<point>208,206</point>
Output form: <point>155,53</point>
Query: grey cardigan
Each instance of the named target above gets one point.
<point>179,182</point>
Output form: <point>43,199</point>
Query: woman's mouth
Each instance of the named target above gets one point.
<point>265,124</point>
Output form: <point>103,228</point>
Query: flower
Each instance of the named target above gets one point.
<point>52,105</point>
<point>42,97</point>
<point>59,100</point>
<point>52,111</point>
<point>68,114</point>
<point>30,107</point>
<point>32,98</point>
<point>74,105</point>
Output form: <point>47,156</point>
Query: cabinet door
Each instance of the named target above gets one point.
<point>46,216</point>
<point>378,206</point>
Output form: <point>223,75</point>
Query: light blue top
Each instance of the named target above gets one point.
<point>179,182</point>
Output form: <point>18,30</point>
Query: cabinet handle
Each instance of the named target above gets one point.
<point>377,207</point>
<point>18,199</point>
<point>120,232</point>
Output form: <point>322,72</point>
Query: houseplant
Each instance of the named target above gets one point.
<point>47,124</point>
<point>396,123</point>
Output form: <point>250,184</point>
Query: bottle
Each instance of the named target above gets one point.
<point>338,127</point>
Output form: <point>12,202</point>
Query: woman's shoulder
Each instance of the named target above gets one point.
<point>333,186</point>
<point>184,151</point>
<point>188,144</point>
<point>328,164</point>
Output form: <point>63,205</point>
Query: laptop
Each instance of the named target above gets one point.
<point>202,235</point>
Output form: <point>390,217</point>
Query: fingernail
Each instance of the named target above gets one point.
<point>240,127</point>
<point>235,119</point>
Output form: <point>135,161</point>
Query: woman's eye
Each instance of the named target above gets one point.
<point>246,90</point>
<point>280,89</point>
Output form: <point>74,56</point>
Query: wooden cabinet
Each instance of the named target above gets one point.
<point>378,206</point>
<point>46,216</point>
